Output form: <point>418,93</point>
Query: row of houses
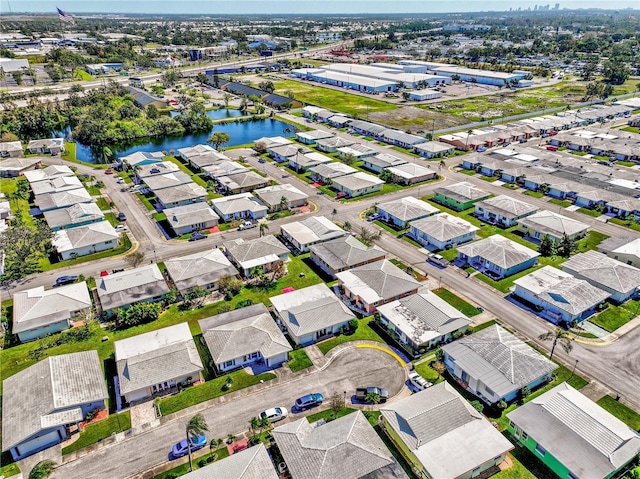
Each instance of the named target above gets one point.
<point>49,146</point>
<point>609,144</point>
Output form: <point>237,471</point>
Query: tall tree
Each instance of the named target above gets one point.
<point>195,427</point>
<point>219,138</point>
<point>557,336</point>
<point>42,470</point>
<point>567,246</point>
<point>263,227</point>
<point>284,203</point>
<point>546,246</point>
<point>24,245</point>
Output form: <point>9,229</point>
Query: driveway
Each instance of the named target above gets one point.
<point>350,369</point>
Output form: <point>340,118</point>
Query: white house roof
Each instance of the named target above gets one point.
<point>10,146</point>
<point>272,141</point>
<point>345,252</point>
<point>51,171</point>
<point>242,180</point>
<point>357,181</point>
<point>88,235</point>
<point>154,357</point>
<point>19,164</point>
<point>310,160</point>
<point>348,448</point>
<point>621,244</point>
<point>408,208</point>
<point>311,309</point>
<point>134,159</point>
<point>271,195</point>
<point>290,150</point>
<point>243,331</point>
<point>462,192</point>
<point>499,250</point>
<point>411,170</point>
<point>385,160</point>
<point>314,134</point>
<point>196,150</point>
<point>56,184</point>
<point>433,146</point>
<point>225,168</point>
<point>585,438</point>
<point>185,192</point>
<point>501,361</point>
<point>256,252</point>
<point>126,287</point>
<point>251,463</point>
<point>46,143</point>
<point>506,206</point>
<point>424,316</point>
<point>335,142</point>
<point>77,213</point>
<point>159,168</point>
<point>333,170</point>
<point>58,383</point>
<point>229,205</point>
<point>604,272</point>
<point>192,214</point>
<point>356,150</point>
<point>445,433</point>
<point>50,201</point>
<point>34,308</point>
<point>313,229</point>
<point>377,281</point>
<point>443,227</point>
<point>548,222</point>
<point>167,180</point>
<point>199,269</point>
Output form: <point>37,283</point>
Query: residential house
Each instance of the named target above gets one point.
<point>38,313</point>
<point>423,320</point>
<point>56,185</point>
<point>48,173</point>
<point>302,163</point>
<point>40,402</point>
<point>14,167</point>
<point>620,280</point>
<point>313,230</point>
<point>167,180</point>
<point>538,182</point>
<point>623,248</point>
<point>83,240</point>
<point>433,149</point>
<point>243,205</point>
<point>272,197</point>
<point>442,231</point>
<point>339,120</point>
<point>64,199</point>
<point>284,153</point>
<point>495,365</point>
<point>358,151</point>
<point>590,198</point>
<point>625,208</point>
<point>552,224</point>
<point>201,156</point>
<point>310,111</point>
<point>50,146</point>
<point>381,162</point>
<point>402,211</point>
<point>251,463</point>
<point>143,98</point>
<point>503,210</point>
<point>5,208</point>
<point>193,217</point>
<point>459,196</point>
<point>357,184</point>
<point>266,253</point>
<point>142,362</point>
<point>159,168</point>
<point>374,284</point>
<point>514,174</point>
<point>243,337</point>
<point>400,138</point>
<point>559,296</point>
<point>11,149</point>
<point>498,256</point>
<point>311,314</point>
<point>410,173</point>
<point>310,137</point>
<point>492,168</point>
<point>80,214</point>
<point>344,253</point>
<point>121,290</point>
<point>328,172</point>
<point>181,195</point>
<point>347,447</point>
<point>331,145</point>
<point>225,168</point>
<point>442,436</point>
<point>267,142</point>
<point>367,128</point>
<point>472,161</point>
<point>202,270</point>
<point>243,182</point>
<point>143,158</point>
<point>574,436</point>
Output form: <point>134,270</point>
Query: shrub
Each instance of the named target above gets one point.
<point>353,324</point>
<point>202,462</point>
<point>502,405</point>
<point>477,405</point>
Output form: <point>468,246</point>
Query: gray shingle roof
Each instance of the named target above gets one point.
<point>130,286</point>
<point>229,205</point>
<point>335,142</point>
<point>500,360</point>
<point>167,180</point>
<point>408,208</point>
<point>333,170</point>
<point>357,181</point>
<point>157,356</point>
<point>313,229</point>
<point>346,252</point>
<point>50,201</point>
<point>602,271</point>
<point>225,168</point>
<point>243,180</point>
<point>252,463</point>
<point>499,250</point>
<point>78,213</point>
<point>585,438</point>
<point>347,448</point>
<point>385,160</point>
<point>289,150</point>
<point>506,206</point>
<point>83,236</point>
<point>185,192</point>
<point>188,215</point>
<point>257,249</point>
<point>199,269</point>
<point>54,384</point>
<point>56,185</point>
<point>443,227</point>
<point>548,222</point>
<point>243,331</point>
<point>462,192</point>
<point>271,195</point>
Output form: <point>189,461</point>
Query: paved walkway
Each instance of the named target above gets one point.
<point>594,391</point>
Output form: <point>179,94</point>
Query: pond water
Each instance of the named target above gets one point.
<point>241,133</point>
<point>216,114</point>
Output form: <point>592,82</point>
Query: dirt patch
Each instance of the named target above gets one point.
<point>410,118</point>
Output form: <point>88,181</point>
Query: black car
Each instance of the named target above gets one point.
<point>122,216</point>
<point>62,280</point>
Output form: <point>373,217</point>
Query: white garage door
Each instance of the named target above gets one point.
<point>40,442</point>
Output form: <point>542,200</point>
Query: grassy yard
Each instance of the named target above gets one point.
<point>427,372</point>
<point>94,433</point>
<point>145,201</point>
<point>328,414</point>
<point>628,223</point>
<point>525,465</point>
<point>364,332</point>
<point>622,412</point>
<point>388,228</point>
<point>125,245</point>
<point>589,212</point>
<point>210,389</point>
<point>617,315</point>
<point>299,360</point>
<point>625,163</point>
<point>457,302</point>
<point>533,194</point>
<point>9,470</point>
<point>103,204</point>
<point>482,326</point>
<point>563,203</point>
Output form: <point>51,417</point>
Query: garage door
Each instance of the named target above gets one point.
<point>39,443</point>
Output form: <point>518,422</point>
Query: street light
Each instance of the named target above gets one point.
<point>574,369</point>
<point>345,398</point>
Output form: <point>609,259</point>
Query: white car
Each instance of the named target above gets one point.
<point>274,414</point>
<point>121,228</point>
<point>419,382</point>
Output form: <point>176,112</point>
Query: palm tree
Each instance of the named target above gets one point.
<point>42,470</point>
<point>346,226</point>
<point>194,428</point>
<point>263,227</point>
<point>372,397</point>
<point>557,336</point>
<point>333,214</point>
<point>254,424</point>
<point>284,203</point>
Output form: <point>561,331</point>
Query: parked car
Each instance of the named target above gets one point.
<point>361,393</point>
<point>419,382</point>
<point>342,194</point>
<point>108,171</point>
<point>262,160</point>
<point>181,449</point>
<point>121,228</point>
<point>247,225</point>
<point>481,149</point>
<point>310,400</point>
<point>120,181</point>
<point>104,273</point>
<point>62,280</point>
<point>122,216</point>
<point>437,260</point>
<point>196,236</point>
<point>274,414</point>
<point>373,217</point>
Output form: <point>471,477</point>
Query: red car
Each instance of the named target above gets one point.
<point>104,273</point>
<point>108,171</point>
<point>342,194</point>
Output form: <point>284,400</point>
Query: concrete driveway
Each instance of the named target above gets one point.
<point>349,369</point>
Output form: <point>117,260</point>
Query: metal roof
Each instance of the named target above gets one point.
<point>462,192</point>
<point>408,208</point>
<point>506,206</point>
<point>499,250</point>
<point>346,252</point>
<point>603,272</point>
<point>443,227</point>
<point>553,224</point>
<point>199,269</point>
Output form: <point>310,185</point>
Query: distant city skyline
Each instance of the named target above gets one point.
<point>245,7</point>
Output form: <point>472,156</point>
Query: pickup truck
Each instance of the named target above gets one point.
<point>361,393</point>
<point>247,225</point>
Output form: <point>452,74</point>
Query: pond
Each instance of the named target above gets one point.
<point>216,114</point>
<point>241,133</point>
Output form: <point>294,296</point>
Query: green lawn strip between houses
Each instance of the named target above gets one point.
<point>364,332</point>
<point>563,203</point>
<point>627,223</point>
<point>9,469</point>
<point>589,212</point>
<point>525,464</point>
<point>616,315</point>
<point>125,245</point>
<point>98,431</point>
<point>457,302</point>
<point>299,360</point>
<point>183,469</point>
<point>622,412</point>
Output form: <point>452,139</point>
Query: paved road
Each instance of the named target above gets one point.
<point>350,369</point>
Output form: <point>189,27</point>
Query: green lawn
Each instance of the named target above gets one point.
<point>9,470</point>
<point>82,75</point>
<point>125,245</point>
<point>103,204</point>
<point>617,315</point>
<point>591,242</point>
<point>589,212</point>
<point>427,372</point>
<point>525,464</point>
<point>628,223</point>
<point>101,430</point>
<point>111,218</point>
<point>489,179</point>
<point>388,228</point>
<point>328,414</point>
<point>622,412</point>
<point>534,194</point>
<point>364,332</point>
<point>631,129</point>
<point>482,326</point>
<point>145,201</point>
<point>183,469</point>
<point>210,389</point>
<point>563,203</point>
<point>625,163</point>
<point>299,360</point>
<point>457,302</point>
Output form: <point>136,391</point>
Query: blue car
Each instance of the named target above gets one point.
<point>62,280</point>
<point>181,449</point>
<point>310,400</point>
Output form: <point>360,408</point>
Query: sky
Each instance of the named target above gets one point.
<point>293,7</point>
